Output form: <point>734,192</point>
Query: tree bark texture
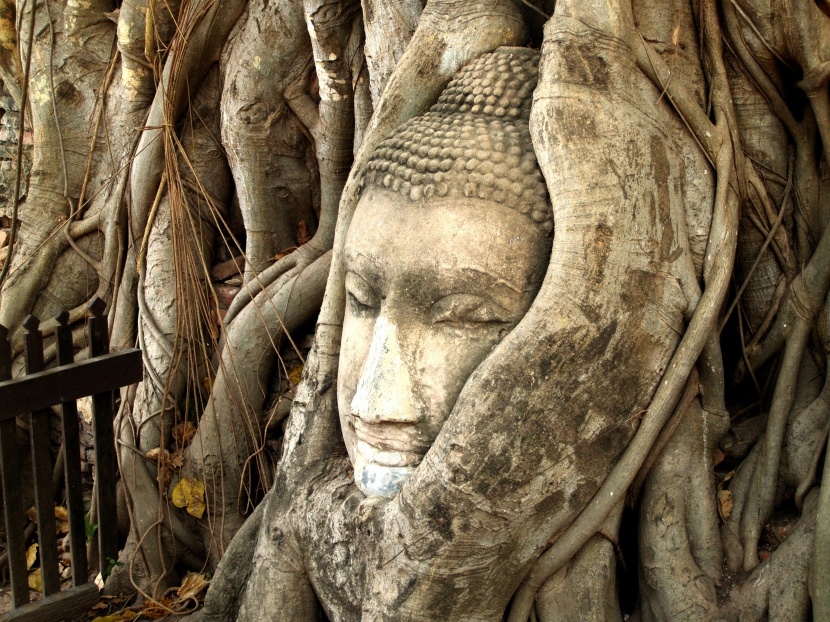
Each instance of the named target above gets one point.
<point>656,415</point>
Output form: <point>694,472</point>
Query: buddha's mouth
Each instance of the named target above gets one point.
<point>390,446</point>
<point>388,458</point>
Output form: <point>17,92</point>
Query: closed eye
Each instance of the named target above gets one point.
<point>468,309</point>
<point>363,300</point>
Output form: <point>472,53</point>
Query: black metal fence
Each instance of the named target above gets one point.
<point>32,395</point>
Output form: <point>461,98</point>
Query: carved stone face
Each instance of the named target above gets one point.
<point>432,286</point>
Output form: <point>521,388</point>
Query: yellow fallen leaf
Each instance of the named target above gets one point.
<point>192,585</point>
<point>124,615</point>
<point>295,374</point>
<point>190,493</point>
<point>61,519</point>
<point>207,383</point>
<point>35,580</point>
<point>31,555</point>
<point>725,504</point>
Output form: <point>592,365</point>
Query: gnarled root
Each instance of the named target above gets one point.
<point>795,322</point>
<point>586,587</point>
<point>229,430</point>
<point>269,150</point>
<point>777,588</point>
<point>680,548</point>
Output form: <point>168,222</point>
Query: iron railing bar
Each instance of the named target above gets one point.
<point>106,463</point>
<point>12,497</point>
<point>63,384</point>
<point>72,462</point>
<point>42,468</point>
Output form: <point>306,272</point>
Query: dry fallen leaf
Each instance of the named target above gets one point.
<point>183,433</point>
<point>725,504</point>
<point>157,609</point>
<point>176,459</point>
<point>782,531</point>
<point>192,585</point>
<point>725,480</point>
<point>190,493</point>
<point>166,462</point>
<point>207,383</point>
<point>156,453</point>
<point>31,556</point>
<point>35,580</point>
<point>31,514</point>
<point>284,253</point>
<point>213,325</point>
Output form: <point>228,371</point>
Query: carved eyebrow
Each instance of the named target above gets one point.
<point>355,259</point>
<point>355,255</point>
<point>495,280</point>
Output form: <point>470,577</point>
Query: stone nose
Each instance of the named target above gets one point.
<point>385,392</point>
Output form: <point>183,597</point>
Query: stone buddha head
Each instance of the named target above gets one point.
<point>447,248</point>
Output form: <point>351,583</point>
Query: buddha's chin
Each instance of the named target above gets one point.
<point>375,480</point>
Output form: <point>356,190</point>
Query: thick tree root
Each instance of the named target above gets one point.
<point>806,295</point>
<point>680,547</point>
<point>777,588</point>
<point>819,568</point>
<point>269,150</point>
<point>232,572</point>
<point>586,587</point>
<point>229,430</point>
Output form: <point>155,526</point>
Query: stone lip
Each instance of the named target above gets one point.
<point>407,439</point>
